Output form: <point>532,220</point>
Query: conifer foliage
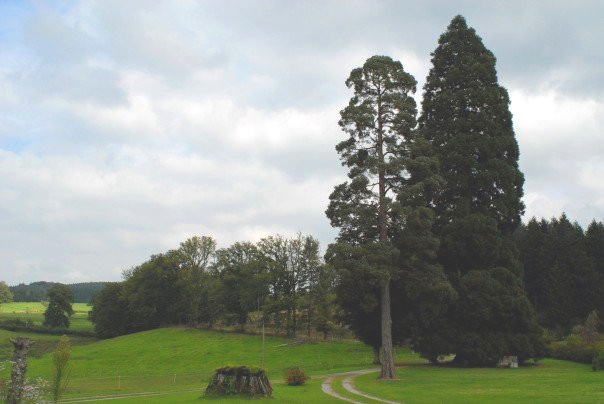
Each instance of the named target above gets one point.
<point>465,117</point>
<point>378,120</point>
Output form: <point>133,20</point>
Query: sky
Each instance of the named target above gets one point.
<point>127,127</point>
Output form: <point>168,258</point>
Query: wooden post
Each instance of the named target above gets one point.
<point>21,345</point>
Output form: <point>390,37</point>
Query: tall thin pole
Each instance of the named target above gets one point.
<point>262,314</point>
<point>262,342</point>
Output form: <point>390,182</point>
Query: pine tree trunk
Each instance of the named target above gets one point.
<point>388,359</point>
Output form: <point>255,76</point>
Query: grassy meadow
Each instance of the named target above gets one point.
<point>178,358</point>
<point>178,362</point>
<point>34,312</point>
<point>551,381</point>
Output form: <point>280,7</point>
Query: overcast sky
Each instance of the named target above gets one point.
<point>128,126</point>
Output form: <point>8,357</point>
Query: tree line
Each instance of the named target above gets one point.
<point>38,291</point>
<point>563,270</point>
<point>280,281</point>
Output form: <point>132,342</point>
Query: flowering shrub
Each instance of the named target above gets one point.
<point>32,392</point>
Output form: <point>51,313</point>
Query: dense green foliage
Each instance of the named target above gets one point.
<point>562,268</point>
<point>383,213</point>
<point>278,281</point>
<point>466,119</point>
<point>6,295</point>
<point>59,310</point>
<point>38,291</point>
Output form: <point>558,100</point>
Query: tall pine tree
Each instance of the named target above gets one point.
<point>378,120</point>
<point>465,116</point>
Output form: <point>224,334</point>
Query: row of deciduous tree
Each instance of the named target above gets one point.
<point>283,280</point>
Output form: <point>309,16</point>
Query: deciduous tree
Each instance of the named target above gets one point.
<point>59,310</point>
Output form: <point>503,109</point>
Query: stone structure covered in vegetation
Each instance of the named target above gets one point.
<point>233,380</point>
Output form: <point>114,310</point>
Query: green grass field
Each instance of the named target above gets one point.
<point>34,312</point>
<point>169,357</point>
<point>548,382</point>
<point>179,362</point>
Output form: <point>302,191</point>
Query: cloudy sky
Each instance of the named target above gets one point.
<point>128,126</point>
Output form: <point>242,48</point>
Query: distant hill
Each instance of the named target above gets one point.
<point>36,291</point>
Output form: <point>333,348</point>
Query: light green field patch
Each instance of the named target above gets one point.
<point>33,312</point>
<point>180,359</point>
<point>550,381</point>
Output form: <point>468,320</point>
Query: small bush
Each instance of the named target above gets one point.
<point>295,376</point>
<point>573,348</point>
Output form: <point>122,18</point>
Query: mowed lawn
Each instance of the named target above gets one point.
<point>551,381</point>
<point>179,362</point>
<point>34,312</point>
<point>177,358</point>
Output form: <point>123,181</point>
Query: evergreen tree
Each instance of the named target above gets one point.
<point>465,117</point>
<point>378,121</point>
<point>595,244</point>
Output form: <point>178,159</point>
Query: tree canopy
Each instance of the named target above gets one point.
<point>59,308</point>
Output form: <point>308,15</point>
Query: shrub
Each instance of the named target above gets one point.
<point>295,376</point>
<point>573,348</point>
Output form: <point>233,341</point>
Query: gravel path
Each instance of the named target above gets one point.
<point>349,386</point>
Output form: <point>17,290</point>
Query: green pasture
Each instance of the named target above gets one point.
<point>179,358</point>
<point>309,393</point>
<point>548,382</point>
<point>34,312</point>
<point>179,362</point>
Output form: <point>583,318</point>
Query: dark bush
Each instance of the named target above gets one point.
<point>295,376</point>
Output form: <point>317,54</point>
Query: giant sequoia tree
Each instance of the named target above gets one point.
<point>378,121</point>
<point>466,118</point>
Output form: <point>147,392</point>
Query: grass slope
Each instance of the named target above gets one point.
<point>550,381</point>
<point>178,358</point>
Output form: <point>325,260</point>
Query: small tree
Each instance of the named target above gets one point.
<point>589,331</point>
<point>6,295</point>
<point>59,308</point>
<point>60,368</point>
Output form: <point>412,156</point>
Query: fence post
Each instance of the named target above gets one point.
<point>174,378</point>
<point>119,381</point>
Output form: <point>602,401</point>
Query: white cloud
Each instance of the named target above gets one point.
<point>126,127</point>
